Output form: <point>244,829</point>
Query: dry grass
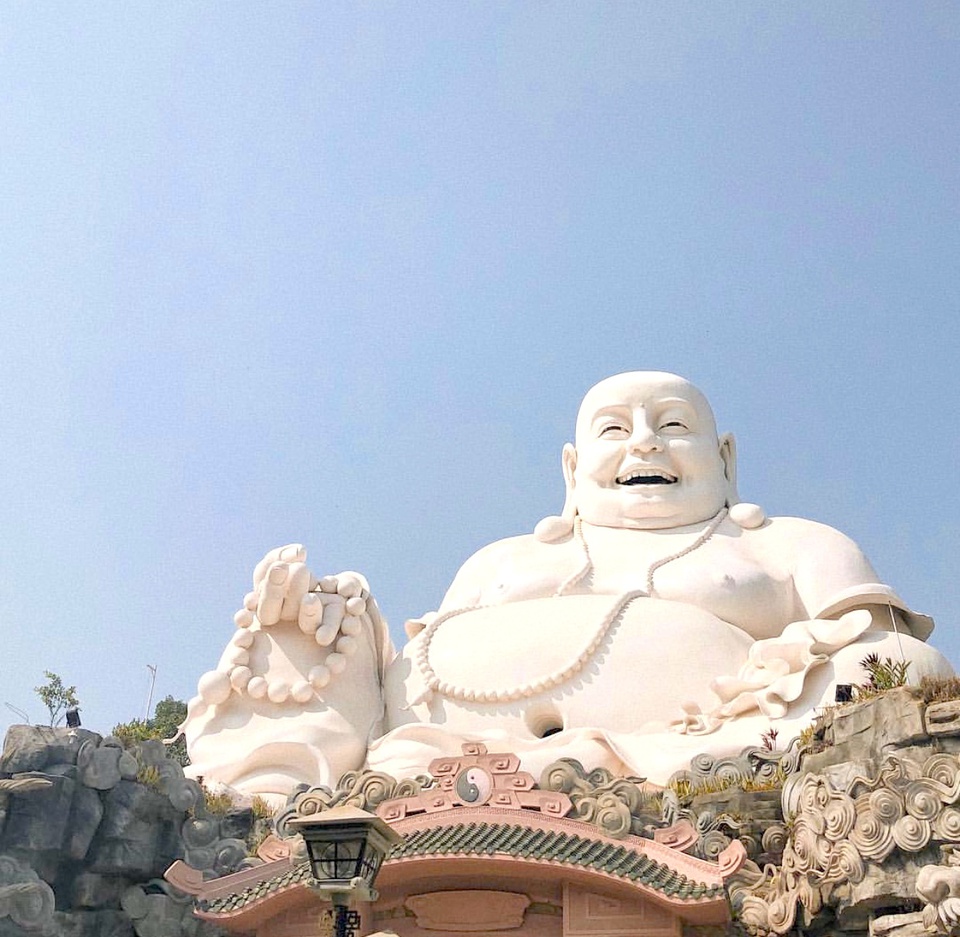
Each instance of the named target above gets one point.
<point>939,689</point>
<point>149,776</point>
<point>261,809</point>
<point>217,804</point>
<point>687,791</point>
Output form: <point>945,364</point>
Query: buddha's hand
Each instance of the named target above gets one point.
<point>285,590</point>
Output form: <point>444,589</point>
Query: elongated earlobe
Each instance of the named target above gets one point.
<point>742,513</point>
<point>728,456</point>
<point>559,527</point>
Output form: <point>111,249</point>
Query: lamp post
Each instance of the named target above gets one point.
<point>346,847</point>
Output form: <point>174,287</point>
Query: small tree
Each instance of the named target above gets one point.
<point>56,697</point>
<point>165,724</point>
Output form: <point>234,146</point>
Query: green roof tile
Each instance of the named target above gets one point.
<point>510,839</point>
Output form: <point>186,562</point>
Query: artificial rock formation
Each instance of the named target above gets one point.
<point>87,830</point>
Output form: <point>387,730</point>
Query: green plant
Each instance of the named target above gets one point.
<point>56,697</point>
<point>686,791</point>
<point>882,674</point>
<point>165,724</point>
<point>149,776</point>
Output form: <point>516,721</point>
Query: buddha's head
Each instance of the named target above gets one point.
<point>647,455</point>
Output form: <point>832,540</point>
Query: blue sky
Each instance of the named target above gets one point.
<point>340,274</point>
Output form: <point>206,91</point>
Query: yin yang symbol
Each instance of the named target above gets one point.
<point>474,786</point>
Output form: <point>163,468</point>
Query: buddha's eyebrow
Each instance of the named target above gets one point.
<point>675,401</point>
<point>619,410</point>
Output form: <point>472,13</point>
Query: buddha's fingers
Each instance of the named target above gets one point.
<point>333,613</point>
<point>311,613</point>
<point>272,592</point>
<point>291,553</point>
<point>298,583</point>
<point>351,584</point>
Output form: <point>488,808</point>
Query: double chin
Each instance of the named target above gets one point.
<point>653,507</point>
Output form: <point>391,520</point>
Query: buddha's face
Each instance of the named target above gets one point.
<point>647,455</point>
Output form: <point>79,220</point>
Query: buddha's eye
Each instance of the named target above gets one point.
<point>673,424</point>
<point>613,430</point>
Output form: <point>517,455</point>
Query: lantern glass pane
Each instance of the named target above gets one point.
<point>371,864</point>
<point>339,860</point>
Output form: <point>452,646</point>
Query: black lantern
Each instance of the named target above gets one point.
<point>346,847</point>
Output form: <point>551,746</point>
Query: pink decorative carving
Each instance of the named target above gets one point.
<point>681,835</point>
<point>732,859</point>
<point>184,877</point>
<point>587,914</point>
<point>466,911</point>
<point>475,779</point>
<point>273,848</point>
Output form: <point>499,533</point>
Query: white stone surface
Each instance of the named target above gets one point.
<point>655,618</point>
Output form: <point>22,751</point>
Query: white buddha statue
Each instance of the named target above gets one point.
<point>658,617</point>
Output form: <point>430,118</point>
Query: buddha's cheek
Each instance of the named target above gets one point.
<point>533,668</point>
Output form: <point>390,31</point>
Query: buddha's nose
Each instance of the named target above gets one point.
<point>645,439</point>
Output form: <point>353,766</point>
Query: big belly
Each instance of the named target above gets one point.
<point>527,668</point>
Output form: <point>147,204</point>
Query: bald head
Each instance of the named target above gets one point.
<point>647,454</point>
<point>641,385</point>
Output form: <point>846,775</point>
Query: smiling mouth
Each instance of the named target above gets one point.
<point>647,476</point>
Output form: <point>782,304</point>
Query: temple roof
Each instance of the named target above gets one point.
<point>525,842</point>
<point>625,861</point>
<point>515,825</point>
<point>225,904</point>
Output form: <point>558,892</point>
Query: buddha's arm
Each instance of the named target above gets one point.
<point>831,576</point>
<point>476,575</point>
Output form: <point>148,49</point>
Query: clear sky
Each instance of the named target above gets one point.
<point>340,274</point>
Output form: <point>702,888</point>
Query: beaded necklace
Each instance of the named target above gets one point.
<point>436,686</point>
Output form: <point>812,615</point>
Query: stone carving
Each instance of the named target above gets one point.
<point>476,779</point>
<point>298,691</point>
<point>754,764</point>
<point>572,641</point>
<point>838,829</point>
<point>158,910</point>
<point>617,806</point>
<point>363,789</point>
<point>25,898</point>
<point>939,887</point>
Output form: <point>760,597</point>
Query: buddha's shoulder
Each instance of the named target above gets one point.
<point>799,535</point>
<point>508,550</point>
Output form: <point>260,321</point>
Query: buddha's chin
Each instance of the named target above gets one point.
<point>650,513</point>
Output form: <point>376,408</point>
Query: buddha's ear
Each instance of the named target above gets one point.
<point>555,528</point>
<point>728,456</point>
<point>569,462</point>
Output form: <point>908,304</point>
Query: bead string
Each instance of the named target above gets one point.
<point>342,641</point>
<point>434,685</point>
<point>709,531</point>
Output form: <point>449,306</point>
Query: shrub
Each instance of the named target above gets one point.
<point>882,674</point>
